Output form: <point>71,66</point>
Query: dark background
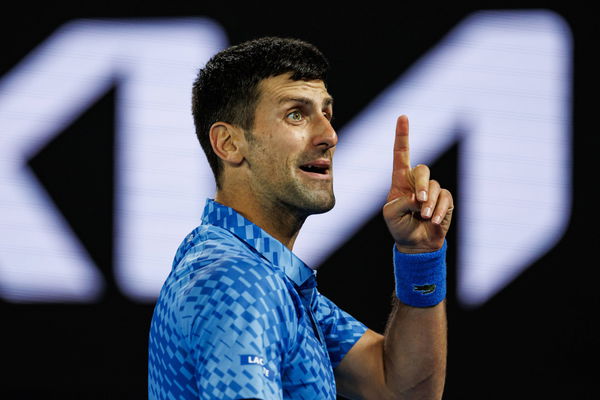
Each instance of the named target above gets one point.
<point>538,338</point>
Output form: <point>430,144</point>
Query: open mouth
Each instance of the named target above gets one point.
<point>319,168</point>
<point>315,169</point>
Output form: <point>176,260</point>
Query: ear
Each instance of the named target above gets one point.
<point>225,140</point>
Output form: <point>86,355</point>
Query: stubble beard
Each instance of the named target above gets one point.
<point>287,188</point>
<point>309,198</point>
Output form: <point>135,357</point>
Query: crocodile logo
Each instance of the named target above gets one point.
<point>424,289</point>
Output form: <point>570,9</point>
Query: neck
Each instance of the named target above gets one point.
<point>275,219</point>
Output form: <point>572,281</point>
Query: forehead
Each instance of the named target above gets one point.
<point>279,87</point>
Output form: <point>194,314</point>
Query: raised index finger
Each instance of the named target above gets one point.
<point>401,149</point>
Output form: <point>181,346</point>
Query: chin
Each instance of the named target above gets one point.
<point>308,199</point>
<point>318,204</point>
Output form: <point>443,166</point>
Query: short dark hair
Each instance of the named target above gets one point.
<point>227,88</point>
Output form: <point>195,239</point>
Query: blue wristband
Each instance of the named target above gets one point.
<point>420,277</point>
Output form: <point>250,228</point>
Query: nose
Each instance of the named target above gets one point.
<point>325,135</point>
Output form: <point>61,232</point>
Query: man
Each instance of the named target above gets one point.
<point>239,316</point>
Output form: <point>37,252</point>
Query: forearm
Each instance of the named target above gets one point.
<point>414,351</point>
<point>409,360</point>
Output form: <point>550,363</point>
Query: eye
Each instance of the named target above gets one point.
<point>295,116</point>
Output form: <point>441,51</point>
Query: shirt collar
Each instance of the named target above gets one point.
<point>264,244</point>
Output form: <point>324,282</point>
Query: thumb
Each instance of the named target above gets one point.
<point>400,206</point>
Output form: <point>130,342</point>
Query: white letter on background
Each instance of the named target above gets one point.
<point>160,167</point>
<point>500,83</point>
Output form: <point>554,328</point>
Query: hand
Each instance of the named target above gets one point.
<point>418,211</point>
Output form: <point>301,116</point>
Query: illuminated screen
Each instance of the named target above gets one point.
<point>498,83</point>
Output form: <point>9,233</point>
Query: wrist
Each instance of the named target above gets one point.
<point>417,250</point>
<point>420,277</point>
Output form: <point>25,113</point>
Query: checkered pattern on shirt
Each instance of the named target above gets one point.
<point>235,295</point>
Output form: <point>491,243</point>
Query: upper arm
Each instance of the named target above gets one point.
<point>360,374</point>
<point>341,331</point>
<point>356,352</point>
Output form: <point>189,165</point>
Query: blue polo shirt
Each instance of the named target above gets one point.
<point>239,316</point>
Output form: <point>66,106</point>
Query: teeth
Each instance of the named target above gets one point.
<point>313,168</point>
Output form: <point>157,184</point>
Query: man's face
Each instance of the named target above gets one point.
<point>291,145</point>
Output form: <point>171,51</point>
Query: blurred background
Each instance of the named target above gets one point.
<point>101,177</point>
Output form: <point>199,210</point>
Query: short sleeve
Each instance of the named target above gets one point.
<point>340,330</point>
<point>239,329</point>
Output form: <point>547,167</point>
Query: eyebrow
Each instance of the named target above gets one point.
<point>328,101</point>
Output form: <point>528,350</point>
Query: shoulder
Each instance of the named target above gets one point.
<point>218,282</point>
<point>221,278</point>
<point>222,264</point>
<point>210,253</point>
<point>207,243</point>
<point>234,300</point>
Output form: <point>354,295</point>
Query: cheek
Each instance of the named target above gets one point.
<point>281,149</point>
<point>286,153</point>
